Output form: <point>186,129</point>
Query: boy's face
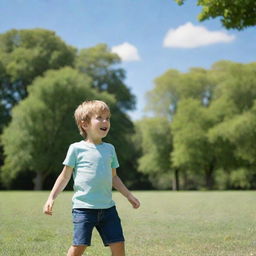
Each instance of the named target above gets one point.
<point>98,127</point>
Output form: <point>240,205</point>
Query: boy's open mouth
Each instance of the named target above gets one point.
<point>104,128</point>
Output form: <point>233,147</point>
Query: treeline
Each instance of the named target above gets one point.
<point>203,130</point>
<point>200,135</point>
<point>42,81</point>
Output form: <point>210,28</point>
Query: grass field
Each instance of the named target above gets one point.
<point>167,224</point>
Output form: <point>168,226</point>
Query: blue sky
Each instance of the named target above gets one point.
<point>151,36</point>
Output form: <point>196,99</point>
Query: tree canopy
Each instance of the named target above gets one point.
<point>25,55</point>
<point>101,65</point>
<point>42,125</point>
<point>212,120</point>
<point>28,60</point>
<point>237,14</point>
<point>154,137</point>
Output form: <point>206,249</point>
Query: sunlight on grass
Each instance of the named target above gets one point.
<point>167,224</point>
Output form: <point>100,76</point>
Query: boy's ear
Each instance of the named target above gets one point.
<point>84,124</point>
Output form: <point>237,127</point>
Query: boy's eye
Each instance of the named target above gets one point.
<point>101,118</point>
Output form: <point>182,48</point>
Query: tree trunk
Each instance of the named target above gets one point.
<point>209,177</point>
<point>175,180</point>
<point>38,181</point>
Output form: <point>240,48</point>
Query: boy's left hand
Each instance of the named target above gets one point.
<point>134,201</point>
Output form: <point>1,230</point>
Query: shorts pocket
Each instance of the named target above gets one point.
<point>79,216</point>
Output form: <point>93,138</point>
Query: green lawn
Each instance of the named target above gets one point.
<point>167,224</point>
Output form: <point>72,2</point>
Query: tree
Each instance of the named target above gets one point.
<point>42,125</point>
<point>235,121</point>
<point>25,55</point>
<point>101,65</point>
<point>173,86</point>
<point>238,132</point>
<point>211,114</point>
<point>234,106</point>
<point>236,14</point>
<point>170,89</point>
<point>191,148</point>
<point>155,137</point>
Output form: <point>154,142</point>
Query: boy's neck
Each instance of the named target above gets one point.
<point>93,141</point>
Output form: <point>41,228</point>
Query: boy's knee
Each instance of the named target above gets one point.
<point>117,249</point>
<point>76,250</point>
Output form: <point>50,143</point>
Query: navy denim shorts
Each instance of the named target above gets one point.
<point>106,221</point>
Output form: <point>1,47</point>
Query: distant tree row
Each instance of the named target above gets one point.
<point>203,131</point>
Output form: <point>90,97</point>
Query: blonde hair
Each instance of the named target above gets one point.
<point>86,110</point>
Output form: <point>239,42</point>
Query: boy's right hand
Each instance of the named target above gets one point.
<point>48,207</point>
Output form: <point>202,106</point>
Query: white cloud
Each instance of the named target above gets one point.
<point>126,51</point>
<point>191,36</point>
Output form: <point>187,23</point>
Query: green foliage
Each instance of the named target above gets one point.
<point>236,14</point>
<point>240,179</point>
<point>235,83</point>
<point>100,64</point>
<point>182,99</point>
<point>155,137</point>
<point>234,110</point>
<point>190,125</point>
<point>240,132</point>
<point>42,125</point>
<point>212,116</point>
<point>163,98</point>
<point>222,178</point>
<point>25,55</point>
<point>173,86</point>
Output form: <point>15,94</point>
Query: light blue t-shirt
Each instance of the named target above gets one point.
<point>92,174</point>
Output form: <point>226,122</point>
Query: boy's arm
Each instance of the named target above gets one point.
<point>59,185</point>
<point>119,185</point>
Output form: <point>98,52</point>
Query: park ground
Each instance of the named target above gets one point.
<point>167,224</point>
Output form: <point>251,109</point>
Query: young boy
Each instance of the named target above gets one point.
<point>93,164</point>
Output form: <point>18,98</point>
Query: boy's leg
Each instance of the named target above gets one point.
<point>110,230</point>
<point>75,250</point>
<point>84,222</point>
<point>117,249</point>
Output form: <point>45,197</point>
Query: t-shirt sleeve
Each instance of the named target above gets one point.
<point>114,163</point>
<point>70,159</point>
